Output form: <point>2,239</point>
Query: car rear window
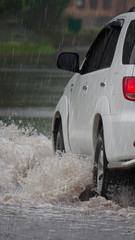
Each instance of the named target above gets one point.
<point>129,45</point>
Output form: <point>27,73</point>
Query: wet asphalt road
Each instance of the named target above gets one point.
<point>60,223</point>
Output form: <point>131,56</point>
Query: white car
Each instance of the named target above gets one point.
<point>96,114</point>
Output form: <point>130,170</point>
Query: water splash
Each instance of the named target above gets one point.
<point>29,170</point>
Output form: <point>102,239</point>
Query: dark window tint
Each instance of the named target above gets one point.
<point>110,48</point>
<point>107,4</point>
<point>93,4</point>
<point>129,45</point>
<point>95,54</point>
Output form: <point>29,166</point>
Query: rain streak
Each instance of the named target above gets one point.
<point>46,195</point>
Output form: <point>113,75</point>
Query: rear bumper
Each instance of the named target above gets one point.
<point>122,164</point>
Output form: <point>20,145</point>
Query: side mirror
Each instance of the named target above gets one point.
<point>68,61</point>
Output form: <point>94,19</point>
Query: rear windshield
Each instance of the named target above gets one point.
<point>129,45</point>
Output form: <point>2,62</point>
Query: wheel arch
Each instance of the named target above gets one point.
<point>56,123</point>
<point>97,126</point>
<point>102,109</point>
<point>61,116</point>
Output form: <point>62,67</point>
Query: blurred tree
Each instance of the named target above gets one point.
<point>37,14</point>
<point>28,4</point>
<point>46,14</point>
<point>12,7</point>
<point>8,7</point>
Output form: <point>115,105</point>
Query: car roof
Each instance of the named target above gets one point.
<point>127,15</point>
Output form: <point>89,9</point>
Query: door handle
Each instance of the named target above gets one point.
<point>102,84</point>
<point>71,87</point>
<point>85,88</point>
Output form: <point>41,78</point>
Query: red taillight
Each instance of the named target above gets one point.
<point>129,88</point>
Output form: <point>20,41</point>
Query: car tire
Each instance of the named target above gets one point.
<point>59,140</point>
<point>100,171</point>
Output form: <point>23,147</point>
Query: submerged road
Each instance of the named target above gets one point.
<point>40,112</point>
<point>64,223</point>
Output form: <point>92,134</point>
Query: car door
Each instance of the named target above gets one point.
<point>87,88</point>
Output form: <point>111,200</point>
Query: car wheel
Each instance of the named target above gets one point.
<point>59,140</point>
<point>100,172</point>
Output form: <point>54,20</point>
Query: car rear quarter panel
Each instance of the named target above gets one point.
<point>119,126</point>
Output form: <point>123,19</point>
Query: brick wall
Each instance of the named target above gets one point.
<point>98,11</point>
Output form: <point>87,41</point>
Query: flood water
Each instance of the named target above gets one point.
<point>39,197</point>
<point>39,192</point>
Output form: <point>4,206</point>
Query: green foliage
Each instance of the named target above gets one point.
<point>25,48</point>
<point>8,7</point>
<point>28,4</point>
<point>41,11</point>
<point>12,7</point>
<point>45,14</point>
<point>56,7</point>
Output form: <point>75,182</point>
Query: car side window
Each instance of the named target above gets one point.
<point>129,45</point>
<point>101,53</point>
<point>110,48</point>
<point>95,53</point>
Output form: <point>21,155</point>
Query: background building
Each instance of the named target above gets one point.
<point>97,12</point>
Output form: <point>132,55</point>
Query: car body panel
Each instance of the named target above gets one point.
<point>80,127</point>
<point>99,93</point>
